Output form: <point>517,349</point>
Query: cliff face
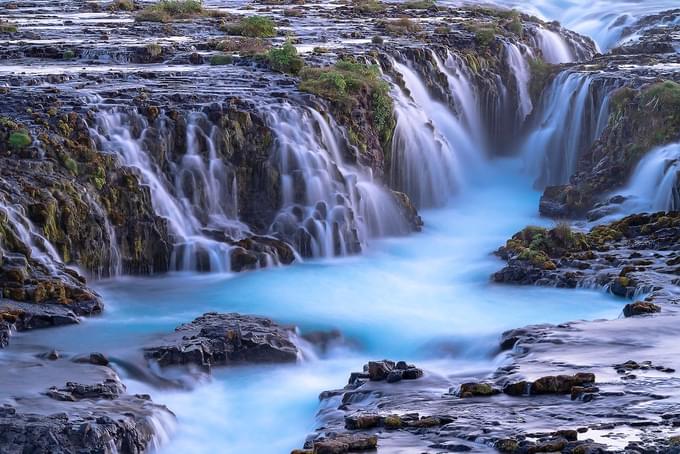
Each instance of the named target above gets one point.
<point>640,119</point>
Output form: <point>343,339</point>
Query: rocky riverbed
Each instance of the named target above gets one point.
<point>141,139</point>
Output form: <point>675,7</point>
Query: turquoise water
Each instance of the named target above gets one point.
<point>426,298</point>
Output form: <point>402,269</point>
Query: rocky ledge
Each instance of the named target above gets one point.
<point>579,387</point>
<point>74,407</point>
<point>221,339</point>
<point>637,255</point>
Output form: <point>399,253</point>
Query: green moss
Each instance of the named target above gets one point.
<point>485,36</point>
<point>168,10</point>
<point>346,83</point>
<point>7,27</point>
<point>540,75</point>
<point>20,139</point>
<point>253,27</point>
<point>70,164</point>
<point>368,6</point>
<point>99,178</point>
<point>665,94</point>
<point>68,55</point>
<point>122,5</point>
<point>515,24</point>
<point>285,59</point>
<point>219,60</point>
<point>419,4</point>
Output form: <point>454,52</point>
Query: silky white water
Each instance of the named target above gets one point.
<point>653,186</point>
<point>425,298</point>
<point>602,20</point>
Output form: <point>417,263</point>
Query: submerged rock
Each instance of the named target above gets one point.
<point>222,339</point>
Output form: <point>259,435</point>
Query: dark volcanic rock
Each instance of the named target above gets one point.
<point>92,416</point>
<point>220,339</point>
<point>640,308</point>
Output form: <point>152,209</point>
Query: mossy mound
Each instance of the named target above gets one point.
<point>170,10</point>
<point>349,84</point>
<point>251,27</point>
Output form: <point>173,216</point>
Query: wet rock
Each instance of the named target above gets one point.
<point>110,389</point>
<point>379,370</point>
<point>98,359</point>
<point>477,390</point>
<point>222,339</point>
<point>391,372</point>
<point>640,308</point>
<point>560,384</point>
<point>345,443</point>
<point>551,384</point>
<point>362,421</point>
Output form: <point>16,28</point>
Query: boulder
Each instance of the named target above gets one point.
<point>222,339</point>
<point>640,308</point>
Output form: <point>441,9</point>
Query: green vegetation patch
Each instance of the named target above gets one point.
<point>244,45</point>
<point>664,94</point>
<point>20,139</point>
<point>169,10</point>
<point>368,6</point>
<point>285,59</point>
<point>7,27</point>
<point>420,4</point>
<point>252,27</point>
<point>122,5</point>
<point>220,60</point>
<point>349,83</point>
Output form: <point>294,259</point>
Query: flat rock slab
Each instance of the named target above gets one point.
<point>222,339</point>
<point>66,407</point>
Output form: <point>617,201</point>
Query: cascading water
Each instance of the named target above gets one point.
<point>328,208</point>
<point>554,48</point>
<point>654,185</point>
<point>603,20</point>
<point>41,250</point>
<point>430,143</point>
<point>517,62</point>
<point>572,115</point>
<point>199,198</point>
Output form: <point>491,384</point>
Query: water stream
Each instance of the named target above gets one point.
<point>425,298</point>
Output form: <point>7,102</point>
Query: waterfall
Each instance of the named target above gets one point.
<point>197,201</point>
<point>431,144</point>
<point>328,208</point>
<point>41,250</point>
<point>520,70</point>
<point>554,48</point>
<point>572,115</point>
<point>654,185</point>
<point>464,94</point>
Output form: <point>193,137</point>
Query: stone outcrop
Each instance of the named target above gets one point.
<point>91,415</point>
<point>223,339</point>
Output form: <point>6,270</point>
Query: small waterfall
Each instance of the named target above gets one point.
<point>572,115</point>
<point>115,260</point>
<point>198,200</point>
<point>655,183</point>
<point>431,144</point>
<point>517,62</point>
<point>41,250</point>
<point>554,48</point>
<point>464,94</point>
<point>328,208</point>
